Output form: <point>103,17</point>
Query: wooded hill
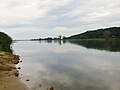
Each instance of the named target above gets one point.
<point>113,32</point>
<point>5,42</point>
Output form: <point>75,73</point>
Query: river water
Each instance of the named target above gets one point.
<point>67,66</point>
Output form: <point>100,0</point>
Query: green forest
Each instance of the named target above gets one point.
<point>107,33</point>
<point>5,42</point>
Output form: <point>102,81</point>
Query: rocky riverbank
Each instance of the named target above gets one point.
<point>9,79</point>
<point>7,64</point>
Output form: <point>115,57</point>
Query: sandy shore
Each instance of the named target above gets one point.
<point>12,83</point>
<point>9,75</point>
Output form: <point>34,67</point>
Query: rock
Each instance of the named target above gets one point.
<point>50,88</point>
<point>40,85</point>
<point>27,80</point>
<point>17,57</point>
<point>19,67</point>
<point>5,86</point>
<point>16,74</point>
<point>14,67</point>
<point>16,62</point>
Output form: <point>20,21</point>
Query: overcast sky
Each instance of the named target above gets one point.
<point>23,19</point>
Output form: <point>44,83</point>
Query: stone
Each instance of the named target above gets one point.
<point>50,88</point>
<point>19,67</point>
<point>27,80</point>
<point>16,62</point>
<point>16,74</point>
<point>40,85</point>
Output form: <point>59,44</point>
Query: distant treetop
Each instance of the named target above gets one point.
<point>112,32</point>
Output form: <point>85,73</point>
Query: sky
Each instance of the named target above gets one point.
<point>26,19</point>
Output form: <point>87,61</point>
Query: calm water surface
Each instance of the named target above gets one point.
<point>67,66</point>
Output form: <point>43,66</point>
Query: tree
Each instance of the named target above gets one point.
<point>107,34</point>
<point>5,42</point>
<point>60,37</point>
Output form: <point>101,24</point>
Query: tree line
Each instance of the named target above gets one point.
<point>112,32</point>
<point>5,42</point>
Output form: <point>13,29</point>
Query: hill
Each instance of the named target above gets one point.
<point>113,32</point>
<point>5,42</point>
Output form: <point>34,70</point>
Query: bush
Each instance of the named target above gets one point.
<point>5,42</point>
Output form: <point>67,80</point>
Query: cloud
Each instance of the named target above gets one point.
<point>65,16</point>
<point>64,31</point>
<point>26,10</point>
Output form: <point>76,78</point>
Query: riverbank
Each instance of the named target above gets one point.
<point>11,83</point>
<point>9,79</point>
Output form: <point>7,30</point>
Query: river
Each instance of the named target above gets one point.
<point>67,66</point>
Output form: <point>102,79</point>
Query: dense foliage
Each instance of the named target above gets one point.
<point>113,32</point>
<point>5,42</point>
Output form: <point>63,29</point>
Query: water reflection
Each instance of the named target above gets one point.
<point>109,45</point>
<point>67,66</point>
<point>113,45</point>
<point>60,42</point>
